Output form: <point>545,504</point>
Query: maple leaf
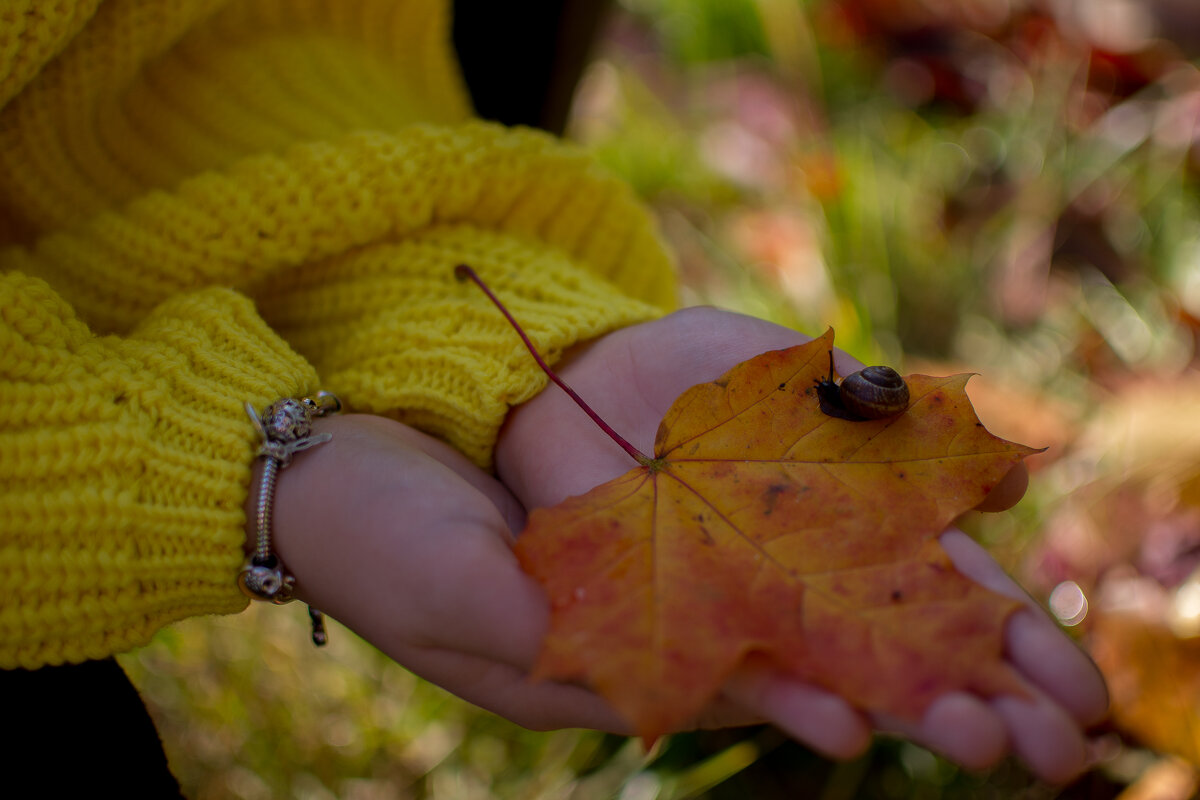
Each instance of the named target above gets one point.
<point>763,526</point>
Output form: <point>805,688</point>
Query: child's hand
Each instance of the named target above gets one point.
<point>400,538</point>
<point>550,450</point>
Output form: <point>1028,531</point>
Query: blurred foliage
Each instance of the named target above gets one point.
<point>1006,187</point>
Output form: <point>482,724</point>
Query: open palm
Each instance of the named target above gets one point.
<point>403,540</point>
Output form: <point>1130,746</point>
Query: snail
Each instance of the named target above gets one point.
<point>870,393</point>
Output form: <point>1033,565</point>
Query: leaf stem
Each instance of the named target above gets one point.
<point>464,272</point>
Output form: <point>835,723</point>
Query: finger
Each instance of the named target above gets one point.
<point>961,727</point>
<point>1035,645</point>
<point>1043,736</point>
<point>1054,664</point>
<point>508,691</point>
<point>1005,494</point>
<point>973,561</point>
<point>823,721</point>
<point>976,734</point>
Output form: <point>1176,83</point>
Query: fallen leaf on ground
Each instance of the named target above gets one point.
<point>1154,677</point>
<point>765,527</point>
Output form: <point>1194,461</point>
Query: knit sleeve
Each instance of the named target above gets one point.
<point>317,157</point>
<point>31,33</point>
<point>348,248</point>
<point>125,466</point>
<point>151,92</point>
<point>205,202</point>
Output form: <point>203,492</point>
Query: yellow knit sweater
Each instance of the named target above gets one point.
<point>208,202</point>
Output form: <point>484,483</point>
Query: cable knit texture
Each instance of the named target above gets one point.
<point>209,202</point>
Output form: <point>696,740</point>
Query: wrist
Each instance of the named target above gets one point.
<point>293,490</point>
<point>286,428</point>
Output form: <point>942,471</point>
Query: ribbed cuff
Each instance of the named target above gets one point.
<point>123,501</point>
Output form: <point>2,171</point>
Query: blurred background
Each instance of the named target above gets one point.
<point>1005,187</point>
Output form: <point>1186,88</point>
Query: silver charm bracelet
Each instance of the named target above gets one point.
<point>286,428</point>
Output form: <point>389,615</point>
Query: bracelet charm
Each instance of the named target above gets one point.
<point>286,428</point>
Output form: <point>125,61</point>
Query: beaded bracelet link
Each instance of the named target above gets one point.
<point>286,428</point>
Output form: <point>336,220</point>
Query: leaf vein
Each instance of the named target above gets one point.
<point>942,457</point>
<point>733,527</point>
<point>732,415</point>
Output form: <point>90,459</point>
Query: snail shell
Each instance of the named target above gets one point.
<point>874,393</point>
<point>870,393</point>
